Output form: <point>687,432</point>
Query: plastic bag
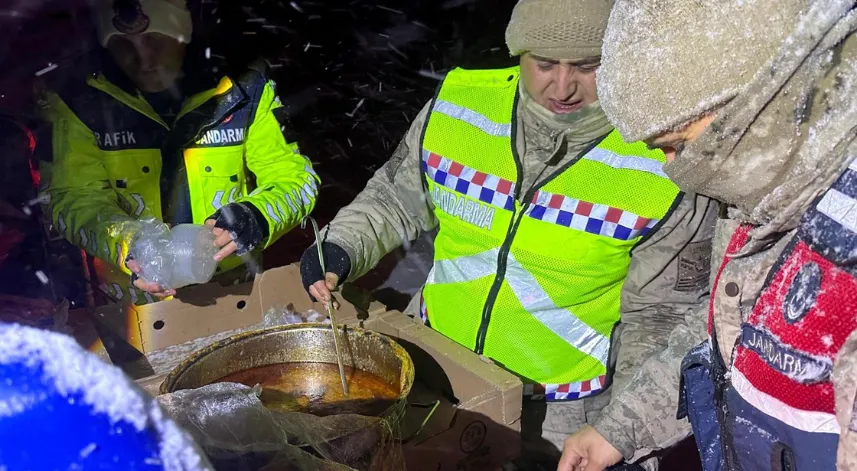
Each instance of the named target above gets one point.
<point>175,257</point>
<point>279,315</point>
<point>237,432</point>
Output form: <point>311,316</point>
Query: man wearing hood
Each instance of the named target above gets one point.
<point>755,104</point>
<point>539,205</point>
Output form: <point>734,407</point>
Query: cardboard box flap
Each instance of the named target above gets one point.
<point>471,381</point>
<point>476,424</point>
<point>429,414</point>
<point>205,310</point>
<point>283,287</point>
<point>198,311</point>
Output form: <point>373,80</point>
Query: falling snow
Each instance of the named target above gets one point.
<point>88,450</point>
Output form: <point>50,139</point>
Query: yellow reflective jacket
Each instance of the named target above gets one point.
<point>226,145</point>
<point>531,280</point>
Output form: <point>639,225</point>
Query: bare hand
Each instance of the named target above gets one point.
<point>222,239</point>
<point>321,290</point>
<point>587,450</point>
<point>146,286</point>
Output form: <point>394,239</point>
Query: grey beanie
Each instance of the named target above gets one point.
<point>558,29</point>
<point>666,62</point>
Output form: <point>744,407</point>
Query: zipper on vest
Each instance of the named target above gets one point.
<point>503,256</point>
<point>502,261</point>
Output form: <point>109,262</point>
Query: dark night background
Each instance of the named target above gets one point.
<point>352,73</point>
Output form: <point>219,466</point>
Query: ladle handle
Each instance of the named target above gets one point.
<point>334,327</point>
<point>336,345</point>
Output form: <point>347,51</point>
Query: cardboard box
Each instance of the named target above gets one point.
<point>475,405</point>
<point>476,425</point>
<point>204,310</point>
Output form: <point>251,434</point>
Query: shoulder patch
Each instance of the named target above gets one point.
<point>802,293</point>
<point>694,267</point>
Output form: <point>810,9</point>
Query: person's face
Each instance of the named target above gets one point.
<point>153,61</point>
<point>672,142</point>
<point>560,85</point>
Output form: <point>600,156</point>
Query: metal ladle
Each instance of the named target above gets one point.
<point>330,311</point>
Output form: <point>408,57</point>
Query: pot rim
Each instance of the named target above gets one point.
<point>168,385</point>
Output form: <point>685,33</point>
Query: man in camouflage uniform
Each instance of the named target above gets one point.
<point>557,130</point>
<point>754,103</point>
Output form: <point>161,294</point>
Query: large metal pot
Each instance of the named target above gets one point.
<point>362,350</point>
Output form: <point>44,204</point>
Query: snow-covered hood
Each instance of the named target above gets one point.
<point>781,142</point>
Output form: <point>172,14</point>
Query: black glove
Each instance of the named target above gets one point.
<point>244,222</point>
<point>626,467</point>
<point>335,261</point>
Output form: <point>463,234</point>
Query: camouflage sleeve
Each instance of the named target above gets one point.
<point>392,210</point>
<point>668,276</point>
<point>666,288</point>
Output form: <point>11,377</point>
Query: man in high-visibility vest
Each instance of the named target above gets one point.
<point>153,136</point>
<point>542,212</point>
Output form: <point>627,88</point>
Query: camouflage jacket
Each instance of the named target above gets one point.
<point>772,154</point>
<point>668,275</point>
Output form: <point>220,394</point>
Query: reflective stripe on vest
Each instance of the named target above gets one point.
<point>550,392</point>
<point>471,117</point>
<point>531,277</point>
<point>533,298</point>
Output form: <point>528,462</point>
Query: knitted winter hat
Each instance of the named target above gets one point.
<point>168,17</point>
<point>666,62</point>
<point>558,29</point>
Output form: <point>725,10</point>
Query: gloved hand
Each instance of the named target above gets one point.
<point>238,228</point>
<point>338,266</point>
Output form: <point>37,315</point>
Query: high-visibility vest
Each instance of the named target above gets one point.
<point>108,136</point>
<point>531,280</point>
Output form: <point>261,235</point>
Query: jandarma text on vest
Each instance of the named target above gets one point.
<point>222,136</point>
<point>472,212</point>
<point>796,365</point>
